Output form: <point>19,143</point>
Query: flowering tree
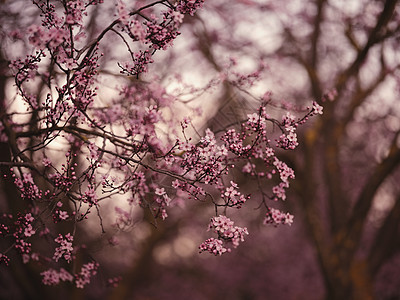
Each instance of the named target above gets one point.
<point>70,147</point>
<point>343,54</point>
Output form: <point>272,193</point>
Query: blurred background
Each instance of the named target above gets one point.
<point>345,240</point>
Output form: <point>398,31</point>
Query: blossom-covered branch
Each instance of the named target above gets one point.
<point>75,152</point>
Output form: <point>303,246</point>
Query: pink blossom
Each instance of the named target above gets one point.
<point>160,191</point>
<point>138,31</point>
<point>52,277</point>
<point>175,184</point>
<point>213,246</point>
<point>29,231</point>
<point>123,13</point>
<point>189,6</point>
<point>276,217</point>
<point>63,215</point>
<point>46,162</point>
<point>317,109</point>
<point>87,271</point>
<point>65,249</point>
<point>227,233</point>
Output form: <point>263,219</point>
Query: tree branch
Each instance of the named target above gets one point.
<point>373,38</point>
<point>364,201</point>
<point>386,242</point>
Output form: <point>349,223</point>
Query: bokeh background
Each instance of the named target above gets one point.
<point>345,241</point>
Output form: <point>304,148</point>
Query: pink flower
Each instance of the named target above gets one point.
<point>29,231</point>
<point>46,162</point>
<point>29,218</point>
<point>175,184</point>
<point>138,31</point>
<point>84,276</point>
<point>63,215</point>
<point>160,191</point>
<point>65,249</point>
<point>276,217</point>
<point>213,246</point>
<point>52,277</point>
<point>227,232</point>
<point>316,108</point>
<point>189,6</point>
<point>123,13</point>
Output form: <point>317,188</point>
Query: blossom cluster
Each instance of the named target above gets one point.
<point>233,197</point>
<point>288,140</point>
<point>204,161</point>
<point>157,34</point>
<point>189,6</point>
<point>138,64</point>
<point>213,246</point>
<point>29,190</point>
<point>227,233</point>
<point>20,230</point>
<point>84,276</point>
<point>53,277</point>
<point>81,279</point>
<point>161,35</point>
<point>65,249</point>
<point>25,70</point>
<point>276,217</point>
<point>285,173</point>
<point>128,146</point>
<point>163,200</point>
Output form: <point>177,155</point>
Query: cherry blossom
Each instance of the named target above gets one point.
<point>86,152</point>
<point>227,233</point>
<point>65,249</point>
<point>276,217</point>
